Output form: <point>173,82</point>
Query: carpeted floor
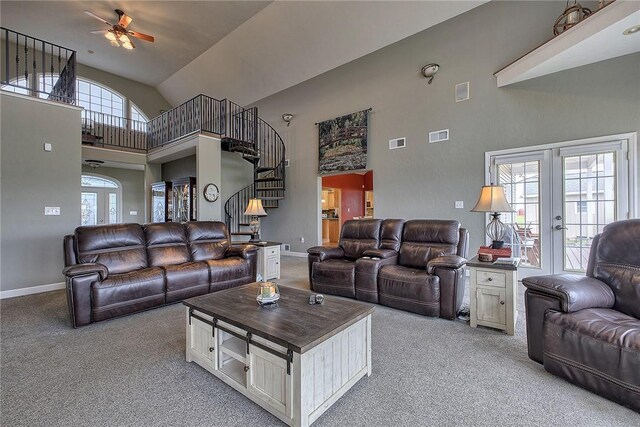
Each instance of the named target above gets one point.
<point>131,371</point>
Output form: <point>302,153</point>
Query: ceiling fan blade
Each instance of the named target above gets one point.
<point>124,20</point>
<point>141,36</point>
<point>88,12</point>
<point>99,31</point>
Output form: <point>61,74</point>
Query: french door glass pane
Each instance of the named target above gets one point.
<point>522,187</point>
<point>589,195</point>
<point>89,208</point>
<point>113,208</point>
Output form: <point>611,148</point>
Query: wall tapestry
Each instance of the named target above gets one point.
<point>343,143</point>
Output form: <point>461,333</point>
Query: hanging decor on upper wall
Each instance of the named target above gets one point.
<point>570,17</point>
<point>343,143</point>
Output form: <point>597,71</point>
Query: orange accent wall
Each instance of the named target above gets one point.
<point>352,188</point>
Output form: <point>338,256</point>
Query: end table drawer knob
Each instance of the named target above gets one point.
<point>501,302</point>
<point>211,349</point>
<point>489,279</point>
<point>246,368</point>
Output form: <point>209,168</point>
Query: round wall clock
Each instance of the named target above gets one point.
<point>211,192</point>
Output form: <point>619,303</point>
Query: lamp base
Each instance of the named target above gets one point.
<point>255,238</point>
<point>497,244</point>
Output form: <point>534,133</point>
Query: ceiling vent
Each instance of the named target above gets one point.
<point>439,136</point>
<point>397,143</point>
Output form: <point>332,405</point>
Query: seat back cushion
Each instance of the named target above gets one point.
<point>166,244</point>
<point>617,263</point>
<point>120,247</point>
<point>207,240</point>
<point>359,235</point>
<point>391,234</point>
<point>425,239</point>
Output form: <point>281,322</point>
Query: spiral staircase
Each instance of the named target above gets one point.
<point>259,144</point>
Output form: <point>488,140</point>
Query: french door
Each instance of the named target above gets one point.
<point>562,195</point>
<point>99,206</point>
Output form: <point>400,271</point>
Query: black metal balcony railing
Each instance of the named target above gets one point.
<point>36,67</point>
<point>105,130</point>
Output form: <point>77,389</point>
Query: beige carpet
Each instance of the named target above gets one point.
<point>131,372</point>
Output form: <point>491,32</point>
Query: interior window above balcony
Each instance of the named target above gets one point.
<point>97,98</point>
<point>137,114</point>
<point>18,85</point>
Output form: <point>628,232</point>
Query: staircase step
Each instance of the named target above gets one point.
<point>244,150</point>
<point>272,198</point>
<point>242,233</point>
<point>270,189</point>
<point>268,179</point>
<point>244,224</point>
<point>262,169</point>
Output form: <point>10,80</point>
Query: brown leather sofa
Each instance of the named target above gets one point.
<point>113,270</point>
<point>586,329</point>
<point>417,265</point>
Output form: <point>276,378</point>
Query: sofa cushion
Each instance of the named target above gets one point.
<point>335,277</point>
<point>409,289</point>
<point>186,280</point>
<point>208,240</point>
<point>228,272</point>
<point>127,292</point>
<point>425,239</point>
<point>597,348</point>
<point>358,235</point>
<point>391,234</point>
<point>166,244</point>
<point>119,247</point>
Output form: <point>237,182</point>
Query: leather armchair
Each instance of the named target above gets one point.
<point>586,329</point>
<point>428,278</point>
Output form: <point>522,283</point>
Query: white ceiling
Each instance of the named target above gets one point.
<point>182,31</point>
<point>241,50</point>
<point>289,42</point>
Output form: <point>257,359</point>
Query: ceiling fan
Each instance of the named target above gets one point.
<point>118,34</point>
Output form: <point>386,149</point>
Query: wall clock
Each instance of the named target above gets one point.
<point>211,192</point>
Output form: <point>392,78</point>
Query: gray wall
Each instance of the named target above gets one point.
<point>423,180</point>
<point>185,166</point>
<point>147,98</point>
<point>133,196</point>
<point>31,243</point>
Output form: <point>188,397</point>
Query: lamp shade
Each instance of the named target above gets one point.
<point>255,208</point>
<point>492,199</point>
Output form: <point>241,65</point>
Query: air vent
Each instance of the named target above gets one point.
<point>286,163</point>
<point>439,136</point>
<point>286,247</point>
<point>462,91</point>
<point>397,143</point>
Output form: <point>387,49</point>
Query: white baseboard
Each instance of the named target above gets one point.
<point>295,254</point>
<point>31,290</point>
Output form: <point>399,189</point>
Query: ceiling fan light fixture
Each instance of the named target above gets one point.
<point>124,39</point>
<point>110,36</point>
<point>127,45</point>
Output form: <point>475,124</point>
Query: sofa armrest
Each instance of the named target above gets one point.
<point>380,253</point>
<point>85,269</point>
<point>452,262</point>
<point>573,291</point>
<point>325,252</point>
<point>242,251</point>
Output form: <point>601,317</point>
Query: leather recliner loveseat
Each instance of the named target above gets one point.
<point>417,265</point>
<point>113,270</point>
<point>586,329</point>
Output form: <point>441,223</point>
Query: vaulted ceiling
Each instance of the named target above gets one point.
<point>242,50</point>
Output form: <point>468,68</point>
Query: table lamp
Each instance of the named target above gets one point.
<point>492,199</point>
<point>255,210</point>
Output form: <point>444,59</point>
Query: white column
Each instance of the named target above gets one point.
<point>209,169</point>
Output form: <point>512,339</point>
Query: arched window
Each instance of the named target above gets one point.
<point>11,87</point>
<point>101,200</point>
<point>95,97</point>
<point>137,114</point>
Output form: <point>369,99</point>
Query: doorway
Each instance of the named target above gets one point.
<point>100,201</point>
<point>344,197</point>
<point>562,196</point>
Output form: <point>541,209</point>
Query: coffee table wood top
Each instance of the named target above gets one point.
<point>292,323</point>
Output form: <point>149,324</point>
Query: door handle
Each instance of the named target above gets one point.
<point>559,227</point>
